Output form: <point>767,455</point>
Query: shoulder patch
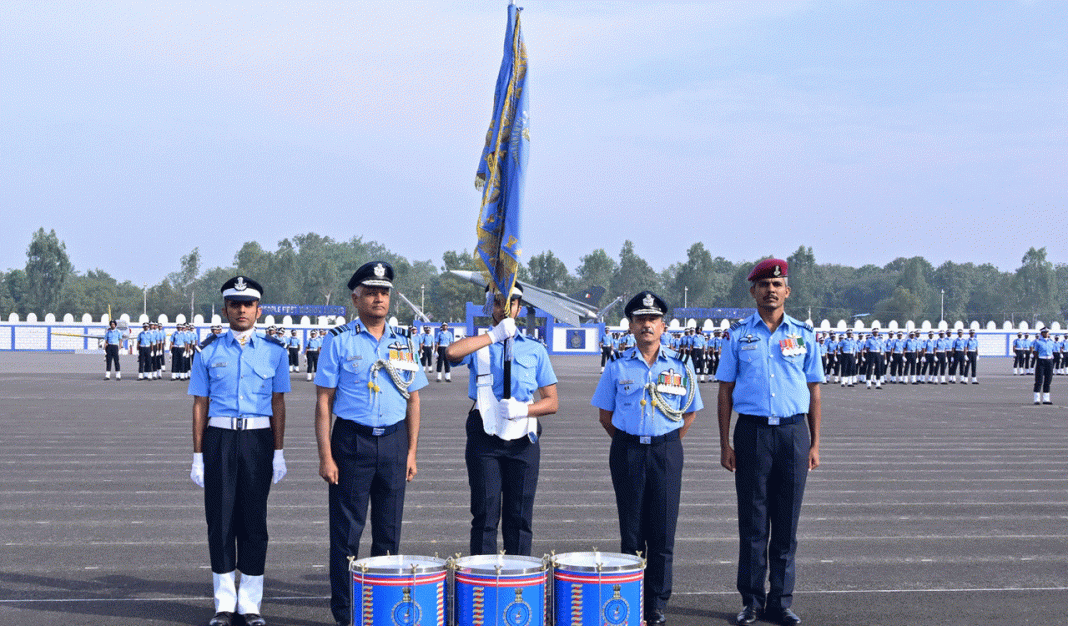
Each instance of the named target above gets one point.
<point>337,330</point>
<point>735,325</point>
<point>207,342</point>
<point>808,326</point>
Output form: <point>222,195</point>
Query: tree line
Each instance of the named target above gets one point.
<point>312,269</point>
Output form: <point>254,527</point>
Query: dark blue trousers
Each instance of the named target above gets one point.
<point>770,472</point>
<point>371,470</point>
<point>503,476</point>
<point>647,478</point>
<point>237,480</point>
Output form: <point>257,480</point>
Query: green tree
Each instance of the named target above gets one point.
<point>1035,287</point>
<point>596,269</point>
<point>47,269</point>
<point>549,272</point>
<point>804,278</point>
<point>693,280</point>
<point>451,293</point>
<point>634,274</point>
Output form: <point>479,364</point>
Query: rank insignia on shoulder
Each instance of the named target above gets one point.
<point>337,330</point>
<point>207,342</point>
<point>735,325</point>
<point>275,340</point>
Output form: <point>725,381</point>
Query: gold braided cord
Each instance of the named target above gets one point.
<point>659,402</point>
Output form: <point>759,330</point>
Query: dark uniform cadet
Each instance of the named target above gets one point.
<point>442,339</point>
<point>503,452</point>
<point>606,347</point>
<point>896,348</point>
<point>847,351</point>
<point>912,350</point>
<point>238,381</point>
<point>177,350</point>
<point>971,347</point>
<point>426,348</point>
<point>311,352</point>
<point>112,342</point>
<point>647,399</point>
<point>770,374</point>
<point>943,352</point>
<point>159,360</point>
<point>927,370</point>
<point>369,381</point>
<point>1042,348</point>
<point>698,346</point>
<point>959,345</point>
<point>293,345</point>
<point>144,352</point>
<point>875,367</point>
<point>1018,366</point>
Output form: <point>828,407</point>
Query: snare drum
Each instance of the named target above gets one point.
<point>598,589</point>
<point>398,591</point>
<point>500,590</point>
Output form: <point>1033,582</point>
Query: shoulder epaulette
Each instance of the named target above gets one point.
<point>808,326</point>
<point>735,325</point>
<point>403,332</point>
<point>207,342</point>
<point>337,330</point>
<point>685,358</point>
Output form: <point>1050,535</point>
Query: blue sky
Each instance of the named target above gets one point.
<point>867,130</point>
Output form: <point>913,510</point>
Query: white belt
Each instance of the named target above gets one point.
<point>240,423</point>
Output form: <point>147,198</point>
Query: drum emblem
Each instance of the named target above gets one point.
<point>616,609</point>
<point>518,612</point>
<point>407,611</point>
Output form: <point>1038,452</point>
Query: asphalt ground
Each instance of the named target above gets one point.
<point>934,504</point>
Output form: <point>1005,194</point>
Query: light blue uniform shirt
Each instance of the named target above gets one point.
<point>345,363</point>
<point>959,344</point>
<point>145,338</point>
<point>912,345</point>
<point>113,336</point>
<point>847,346</point>
<point>314,343</point>
<point>444,338</point>
<point>293,342</point>
<point>1043,348</point>
<point>1027,343</point>
<point>766,382</point>
<point>622,390</point>
<point>239,381</point>
<point>972,344</point>
<point>531,369</point>
<point>875,344</point>
<point>943,344</point>
<point>606,341</point>
<point>699,341</point>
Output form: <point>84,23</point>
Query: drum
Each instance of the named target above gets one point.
<point>500,590</point>
<point>398,591</point>
<point>598,589</point>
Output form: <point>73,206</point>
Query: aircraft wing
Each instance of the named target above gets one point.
<point>564,308</point>
<point>418,312</point>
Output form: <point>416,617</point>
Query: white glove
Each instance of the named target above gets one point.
<point>197,473</point>
<point>503,331</point>
<point>512,409</point>
<point>279,465</point>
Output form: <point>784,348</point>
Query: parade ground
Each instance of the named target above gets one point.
<point>935,504</point>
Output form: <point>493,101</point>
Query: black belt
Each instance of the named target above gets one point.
<point>773,421</point>
<point>647,439</point>
<point>370,431</point>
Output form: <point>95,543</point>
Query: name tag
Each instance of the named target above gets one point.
<point>220,364</point>
<point>749,346</point>
<point>645,439</point>
<point>377,432</point>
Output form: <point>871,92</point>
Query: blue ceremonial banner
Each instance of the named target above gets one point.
<point>503,165</point>
<point>302,309</point>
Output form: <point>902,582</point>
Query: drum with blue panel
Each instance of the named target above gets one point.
<point>500,590</point>
<point>399,591</point>
<point>597,589</point>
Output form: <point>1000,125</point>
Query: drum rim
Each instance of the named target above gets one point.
<point>463,564</point>
<point>637,563</point>
<point>434,565</point>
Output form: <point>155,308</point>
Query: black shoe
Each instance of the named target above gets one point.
<point>748,615</point>
<point>221,618</point>
<point>254,619</point>
<point>1046,402</point>
<point>787,617</point>
<point>655,618</point>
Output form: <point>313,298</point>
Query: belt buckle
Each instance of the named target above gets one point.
<point>377,432</point>
<point>237,423</point>
<point>646,439</point>
<point>773,421</point>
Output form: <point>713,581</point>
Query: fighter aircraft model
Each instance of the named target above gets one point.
<point>571,309</point>
<point>418,312</point>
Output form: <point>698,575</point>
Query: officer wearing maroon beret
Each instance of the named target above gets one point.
<point>769,372</point>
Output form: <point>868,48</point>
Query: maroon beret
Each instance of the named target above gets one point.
<point>769,268</point>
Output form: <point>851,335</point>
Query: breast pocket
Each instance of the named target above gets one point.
<point>264,374</point>
<point>628,396</point>
<point>526,371</point>
<point>353,374</point>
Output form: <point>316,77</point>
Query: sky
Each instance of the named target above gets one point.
<point>866,130</point>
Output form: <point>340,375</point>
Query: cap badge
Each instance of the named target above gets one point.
<point>380,270</point>
<point>777,272</point>
<point>240,284</point>
<point>648,299</point>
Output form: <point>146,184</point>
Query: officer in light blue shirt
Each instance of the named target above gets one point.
<point>145,340</point>
<point>503,451</point>
<point>874,347</point>
<point>646,399</point>
<point>311,352</point>
<point>943,351</point>
<point>607,343</point>
<point>698,347</point>
<point>847,353</point>
<point>368,382</point>
<point>442,340</point>
<point>912,351</point>
<point>238,382</point>
<point>1042,350</point>
<point>770,373</point>
<point>1028,354</point>
<point>112,342</point>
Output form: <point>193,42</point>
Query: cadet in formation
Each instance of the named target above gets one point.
<point>311,351</point>
<point>647,399</point>
<point>770,374</point>
<point>238,382</point>
<point>442,340</point>
<point>112,343</point>
<point>1042,349</point>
